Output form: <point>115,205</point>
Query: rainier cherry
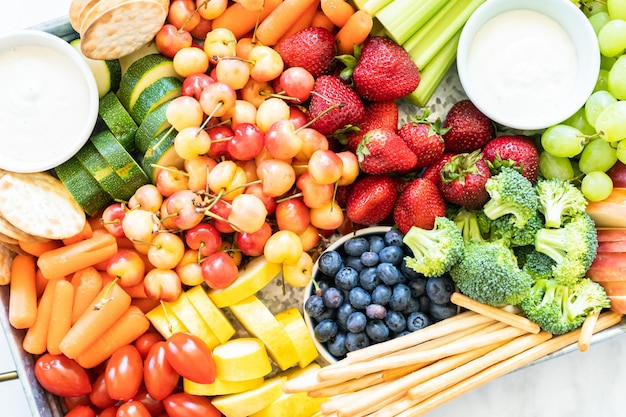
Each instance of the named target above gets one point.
<point>191,142</point>
<point>194,84</point>
<point>182,14</point>
<point>217,98</point>
<point>277,176</point>
<point>325,166</point>
<point>282,141</point>
<point>246,143</point>
<point>299,274</point>
<point>251,244</point>
<point>283,247</point>
<point>314,194</point>
<point>162,284</point>
<point>182,209</point>
<point>248,213</point>
<point>219,270</point>
<point>190,60</point>
<point>292,214</point>
<point>220,42</point>
<point>203,237</point>
<point>256,92</point>
<point>128,266</point>
<point>267,63</point>
<point>170,179</point>
<point>198,169</point>
<point>296,82</point>
<point>166,250</point>
<point>227,179</point>
<point>184,111</point>
<point>327,217</point>
<point>189,268</point>
<point>169,40</point>
<point>210,9</point>
<point>112,217</point>
<point>146,197</point>
<point>242,112</point>
<point>270,111</point>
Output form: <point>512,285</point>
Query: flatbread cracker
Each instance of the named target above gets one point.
<point>122,29</point>
<point>39,204</point>
<point>77,10</point>
<point>6,260</point>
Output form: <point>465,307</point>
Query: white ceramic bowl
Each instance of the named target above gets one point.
<point>549,85</point>
<point>48,101</point>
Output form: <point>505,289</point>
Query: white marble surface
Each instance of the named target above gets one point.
<point>589,384</point>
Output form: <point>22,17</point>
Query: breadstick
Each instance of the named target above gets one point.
<point>586,331</point>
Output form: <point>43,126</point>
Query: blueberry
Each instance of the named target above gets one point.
<point>330,262</point>
<point>354,262</point>
<point>376,243</point>
<point>329,313</point>
<point>377,330</point>
<point>332,297</point>
<point>388,273</point>
<point>356,341</point>
<point>356,246</point>
<point>368,279</point>
<point>424,302</point>
<point>395,321</point>
<point>323,284</point>
<point>356,322</point>
<point>337,346</point>
<point>439,289</point>
<point>442,311</point>
<point>413,306</point>
<point>326,330</point>
<point>314,306</point>
<point>359,298</point>
<point>417,286</point>
<point>400,297</point>
<point>347,278</point>
<point>409,272</point>
<point>375,311</point>
<point>394,238</point>
<point>370,258</point>
<point>416,321</point>
<point>381,294</point>
<point>392,254</point>
<point>343,312</point>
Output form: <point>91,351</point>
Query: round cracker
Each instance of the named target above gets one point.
<point>96,8</point>
<point>8,239</point>
<point>77,10</point>
<point>6,260</point>
<point>39,204</point>
<point>122,29</point>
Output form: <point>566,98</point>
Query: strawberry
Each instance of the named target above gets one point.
<point>382,151</point>
<point>371,199</point>
<point>380,114</point>
<point>312,48</point>
<point>424,138</point>
<point>418,205</point>
<point>384,70</point>
<point>514,151</point>
<point>433,171</point>
<point>463,180</point>
<point>329,91</point>
<point>468,128</point>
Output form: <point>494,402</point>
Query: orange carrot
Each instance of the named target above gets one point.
<point>320,20</point>
<point>274,26</point>
<point>36,339</point>
<point>23,292</point>
<point>66,260</point>
<point>145,304</point>
<point>40,282</point>
<point>354,32</point>
<point>61,315</point>
<point>132,324</point>
<point>86,233</point>
<point>110,304</point>
<point>136,291</point>
<point>303,22</point>
<point>87,284</point>
<point>338,11</point>
<point>37,248</point>
<point>240,20</point>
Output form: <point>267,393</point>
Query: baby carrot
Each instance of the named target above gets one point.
<point>110,304</point>
<point>145,304</point>
<point>61,314</point>
<point>354,32</point>
<point>86,233</point>
<point>66,260</point>
<point>132,324</point>
<point>278,22</point>
<point>40,282</point>
<point>240,20</point>
<point>87,284</point>
<point>37,248</point>
<point>36,338</point>
<point>320,20</point>
<point>338,11</point>
<point>23,292</point>
<point>304,21</point>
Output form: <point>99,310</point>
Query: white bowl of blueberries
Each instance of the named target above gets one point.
<point>362,293</point>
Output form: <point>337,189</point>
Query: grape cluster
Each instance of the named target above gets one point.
<point>366,294</point>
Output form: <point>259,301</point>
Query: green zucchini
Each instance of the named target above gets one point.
<point>83,187</point>
<point>118,121</point>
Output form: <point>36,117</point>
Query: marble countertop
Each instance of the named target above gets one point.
<point>578,384</point>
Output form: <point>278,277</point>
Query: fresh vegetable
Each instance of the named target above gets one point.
<point>23,294</point>
<point>61,376</point>
<point>511,193</point>
<point>467,222</point>
<point>559,201</point>
<point>124,373</point>
<point>190,357</point>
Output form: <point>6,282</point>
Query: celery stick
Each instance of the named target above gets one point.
<point>423,51</point>
<point>358,3</point>
<point>374,6</point>
<point>402,18</point>
<point>434,72</point>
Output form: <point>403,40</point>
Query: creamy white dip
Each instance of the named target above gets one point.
<point>44,103</point>
<point>523,62</point>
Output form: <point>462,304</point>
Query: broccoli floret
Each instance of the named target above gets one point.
<point>511,193</point>
<point>558,308</point>
<point>467,222</point>
<point>538,265</point>
<point>434,250</point>
<point>559,200</point>
<point>489,273</point>
<point>572,246</point>
<point>504,229</point>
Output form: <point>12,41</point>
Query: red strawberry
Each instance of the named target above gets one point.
<point>423,137</point>
<point>329,91</point>
<point>384,70</point>
<point>463,180</point>
<point>371,199</point>
<point>311,48</point>
<point>418,205</point>
<point>468,128</point>
<point>377,114</point>
<point>433,172</point>
<point>515,151</point>
<point>382,151</point>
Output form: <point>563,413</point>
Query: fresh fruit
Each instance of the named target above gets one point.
<point>468,128</point>
<point>424,138</point>
<point>214,316</point>
<point>312,48</point>
<point>334,105</point>
<point>249,402</point>
<point>514,151</point>
<point>418,205</point>
<point>371,199</point>
<point>242,359</point>
<point>381,114</point>
<point>294,324</point>
<point>382,151</point>
<point>463,180</point>
<point>221,387</point>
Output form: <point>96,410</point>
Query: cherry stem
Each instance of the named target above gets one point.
<point>328,109</point>
<point>107,295</point>
<point>156,145</point>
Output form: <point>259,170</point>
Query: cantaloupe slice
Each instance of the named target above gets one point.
<point>165,321</point>
<point>242,359</point>
<point>249,402</point>
<point>193,321</point>
<point>294,324</point>
<point>220,387</point>
<point>213,315</point>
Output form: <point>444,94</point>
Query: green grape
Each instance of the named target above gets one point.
<point>611,122</point>
<point>552,166</point>
<point>598,20</point>
<point>607,62</point>
<point>617,79</point>
<point>591,7</point>
<point>620,151</point>
<point>616,8</point>
<point>598,155</point>
<point>579,121</point>
<point>596,186</point>
<point>596,103</point>
<point>602,83</point>
<point>612,37</point>
<point>563,140</point>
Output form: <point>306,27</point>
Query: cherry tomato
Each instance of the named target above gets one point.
<point>132,409</point>
<point>81,411</point>
<point>144,342</point>
<point>124,373</point>
<point>159,376</point>
<point>62,376</point>
<point>99,396</point>
<point>191,357</point>
<point>71,402</point>
<point>155,407</point>
<point>108,412</point>
<point>183,404</point>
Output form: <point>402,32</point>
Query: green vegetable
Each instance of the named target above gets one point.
<point>504,229</point>
<point>511,193</point>
<point>435,250</point>
<point>467,222</point>
<point>538,265</point>
<point>559,200</point>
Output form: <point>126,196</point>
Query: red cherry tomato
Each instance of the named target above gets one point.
<point>99,396</point>
<point>62,376</point>
<point>132,409</point>
<point>191,357</point>
<point>81,411</point>
<point>108,412</point>
<point>159,376</point>
<point>183,404</point>
<point>144,342</point>
<point>155,407</point>
<point>71,402</point>
<point>124,373</point>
